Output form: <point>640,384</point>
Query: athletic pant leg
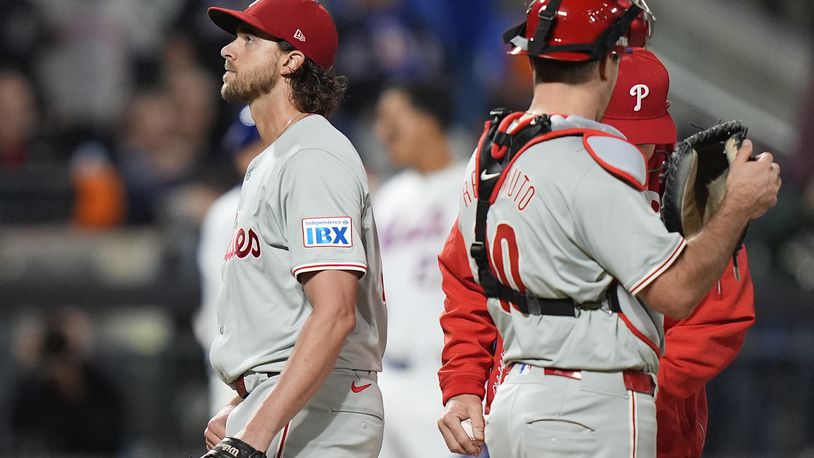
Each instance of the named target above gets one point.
<point>338,422</point>
<point>543,415</point>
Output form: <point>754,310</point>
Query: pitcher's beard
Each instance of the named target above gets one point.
<point>251,86</point>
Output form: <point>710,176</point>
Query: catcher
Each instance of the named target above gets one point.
<point>568,383</point>
<point>700,346</point>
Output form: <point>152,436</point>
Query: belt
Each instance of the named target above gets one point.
<point>638,381</point>
<point>239,385</point>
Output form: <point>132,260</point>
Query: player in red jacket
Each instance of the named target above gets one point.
<point>696,348</point>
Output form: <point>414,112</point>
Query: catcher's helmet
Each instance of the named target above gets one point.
<point>580,30</point>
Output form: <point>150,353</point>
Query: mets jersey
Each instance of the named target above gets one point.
<point>304,207</point>
<point>562,226</point>
<point>414,214</point>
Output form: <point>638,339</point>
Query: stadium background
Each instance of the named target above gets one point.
<point>110,134</point>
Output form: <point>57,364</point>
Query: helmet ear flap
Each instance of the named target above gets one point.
<point>640,32</point>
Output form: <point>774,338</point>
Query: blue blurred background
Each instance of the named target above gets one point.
<point>111,134</point>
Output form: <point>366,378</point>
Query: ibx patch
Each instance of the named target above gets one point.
<point>327,232</point>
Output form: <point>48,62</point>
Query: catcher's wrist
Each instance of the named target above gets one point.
<point>736,209</point>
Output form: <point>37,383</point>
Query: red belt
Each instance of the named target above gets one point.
<point>638,381</point>
<point>239,385</point>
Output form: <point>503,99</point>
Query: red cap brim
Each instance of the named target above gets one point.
<point>658,131</point>
<point>230,20</point>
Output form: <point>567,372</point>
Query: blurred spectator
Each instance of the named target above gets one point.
<point>61,403</point>
<point>414,211</point>
<point>192,21</point>
<point>791,233</point>
<point>85,71</point>
<point>802,166</point>
<point>179,54</point>
<point>383,40</point>
<point>19,113</point>
<point>34,188</point>
<point>243,142</point>
<point>23,32</point>
<point>98,188</point>
<point>476,60</point>
<point>194,93</point>
<point>386,36</point>
<point>154,157</point>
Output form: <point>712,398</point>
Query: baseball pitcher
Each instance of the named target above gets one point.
<point>301,315</point>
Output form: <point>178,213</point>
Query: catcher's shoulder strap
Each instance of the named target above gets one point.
<point>505,138</point>
<point>619,157</point>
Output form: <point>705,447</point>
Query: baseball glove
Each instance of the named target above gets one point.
<point>231,447</point>
<point>695,184</point>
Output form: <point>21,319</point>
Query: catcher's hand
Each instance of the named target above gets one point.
<point>231,447</point>
<point>695,184</point>
<point>453,424</point>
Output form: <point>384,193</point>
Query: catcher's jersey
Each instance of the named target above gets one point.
<point>304,206</point>
<point>563,226</point>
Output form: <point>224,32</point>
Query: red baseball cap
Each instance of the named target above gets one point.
<point>305,24</point>
<point>639,103</point>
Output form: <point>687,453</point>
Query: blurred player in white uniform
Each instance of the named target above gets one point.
<point>243,142</point>
<point>414,211</point>
<point>301,315</point>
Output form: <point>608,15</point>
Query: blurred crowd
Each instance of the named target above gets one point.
<point>115,103</point>
<point>111,119</point>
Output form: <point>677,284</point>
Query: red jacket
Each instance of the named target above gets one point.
<point>697,348</point>
<point>470,335</point>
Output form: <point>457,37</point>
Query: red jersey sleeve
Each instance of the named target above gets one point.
<point>699,347</point>
<point>469,333</point>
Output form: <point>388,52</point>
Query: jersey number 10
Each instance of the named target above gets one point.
<point>504,248</point>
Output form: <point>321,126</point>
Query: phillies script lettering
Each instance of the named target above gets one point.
<point>243,244</point>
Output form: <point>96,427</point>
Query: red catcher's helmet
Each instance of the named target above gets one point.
<point>581,30</point>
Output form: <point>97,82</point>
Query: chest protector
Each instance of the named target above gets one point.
<point>496,153</point>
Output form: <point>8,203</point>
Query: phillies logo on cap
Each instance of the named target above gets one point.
<point>640,91</point>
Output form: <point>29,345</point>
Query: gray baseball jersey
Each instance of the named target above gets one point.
<point>304,206</point>
<point>562,226</point>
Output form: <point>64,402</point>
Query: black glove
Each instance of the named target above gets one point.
<point>231,447</point>
<point>696,177</point>
<point>695,184</point>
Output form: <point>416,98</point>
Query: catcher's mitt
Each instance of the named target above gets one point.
<point>696,177</point>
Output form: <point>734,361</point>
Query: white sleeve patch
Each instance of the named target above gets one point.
<point>327,232</point>
<point>619,157</point>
